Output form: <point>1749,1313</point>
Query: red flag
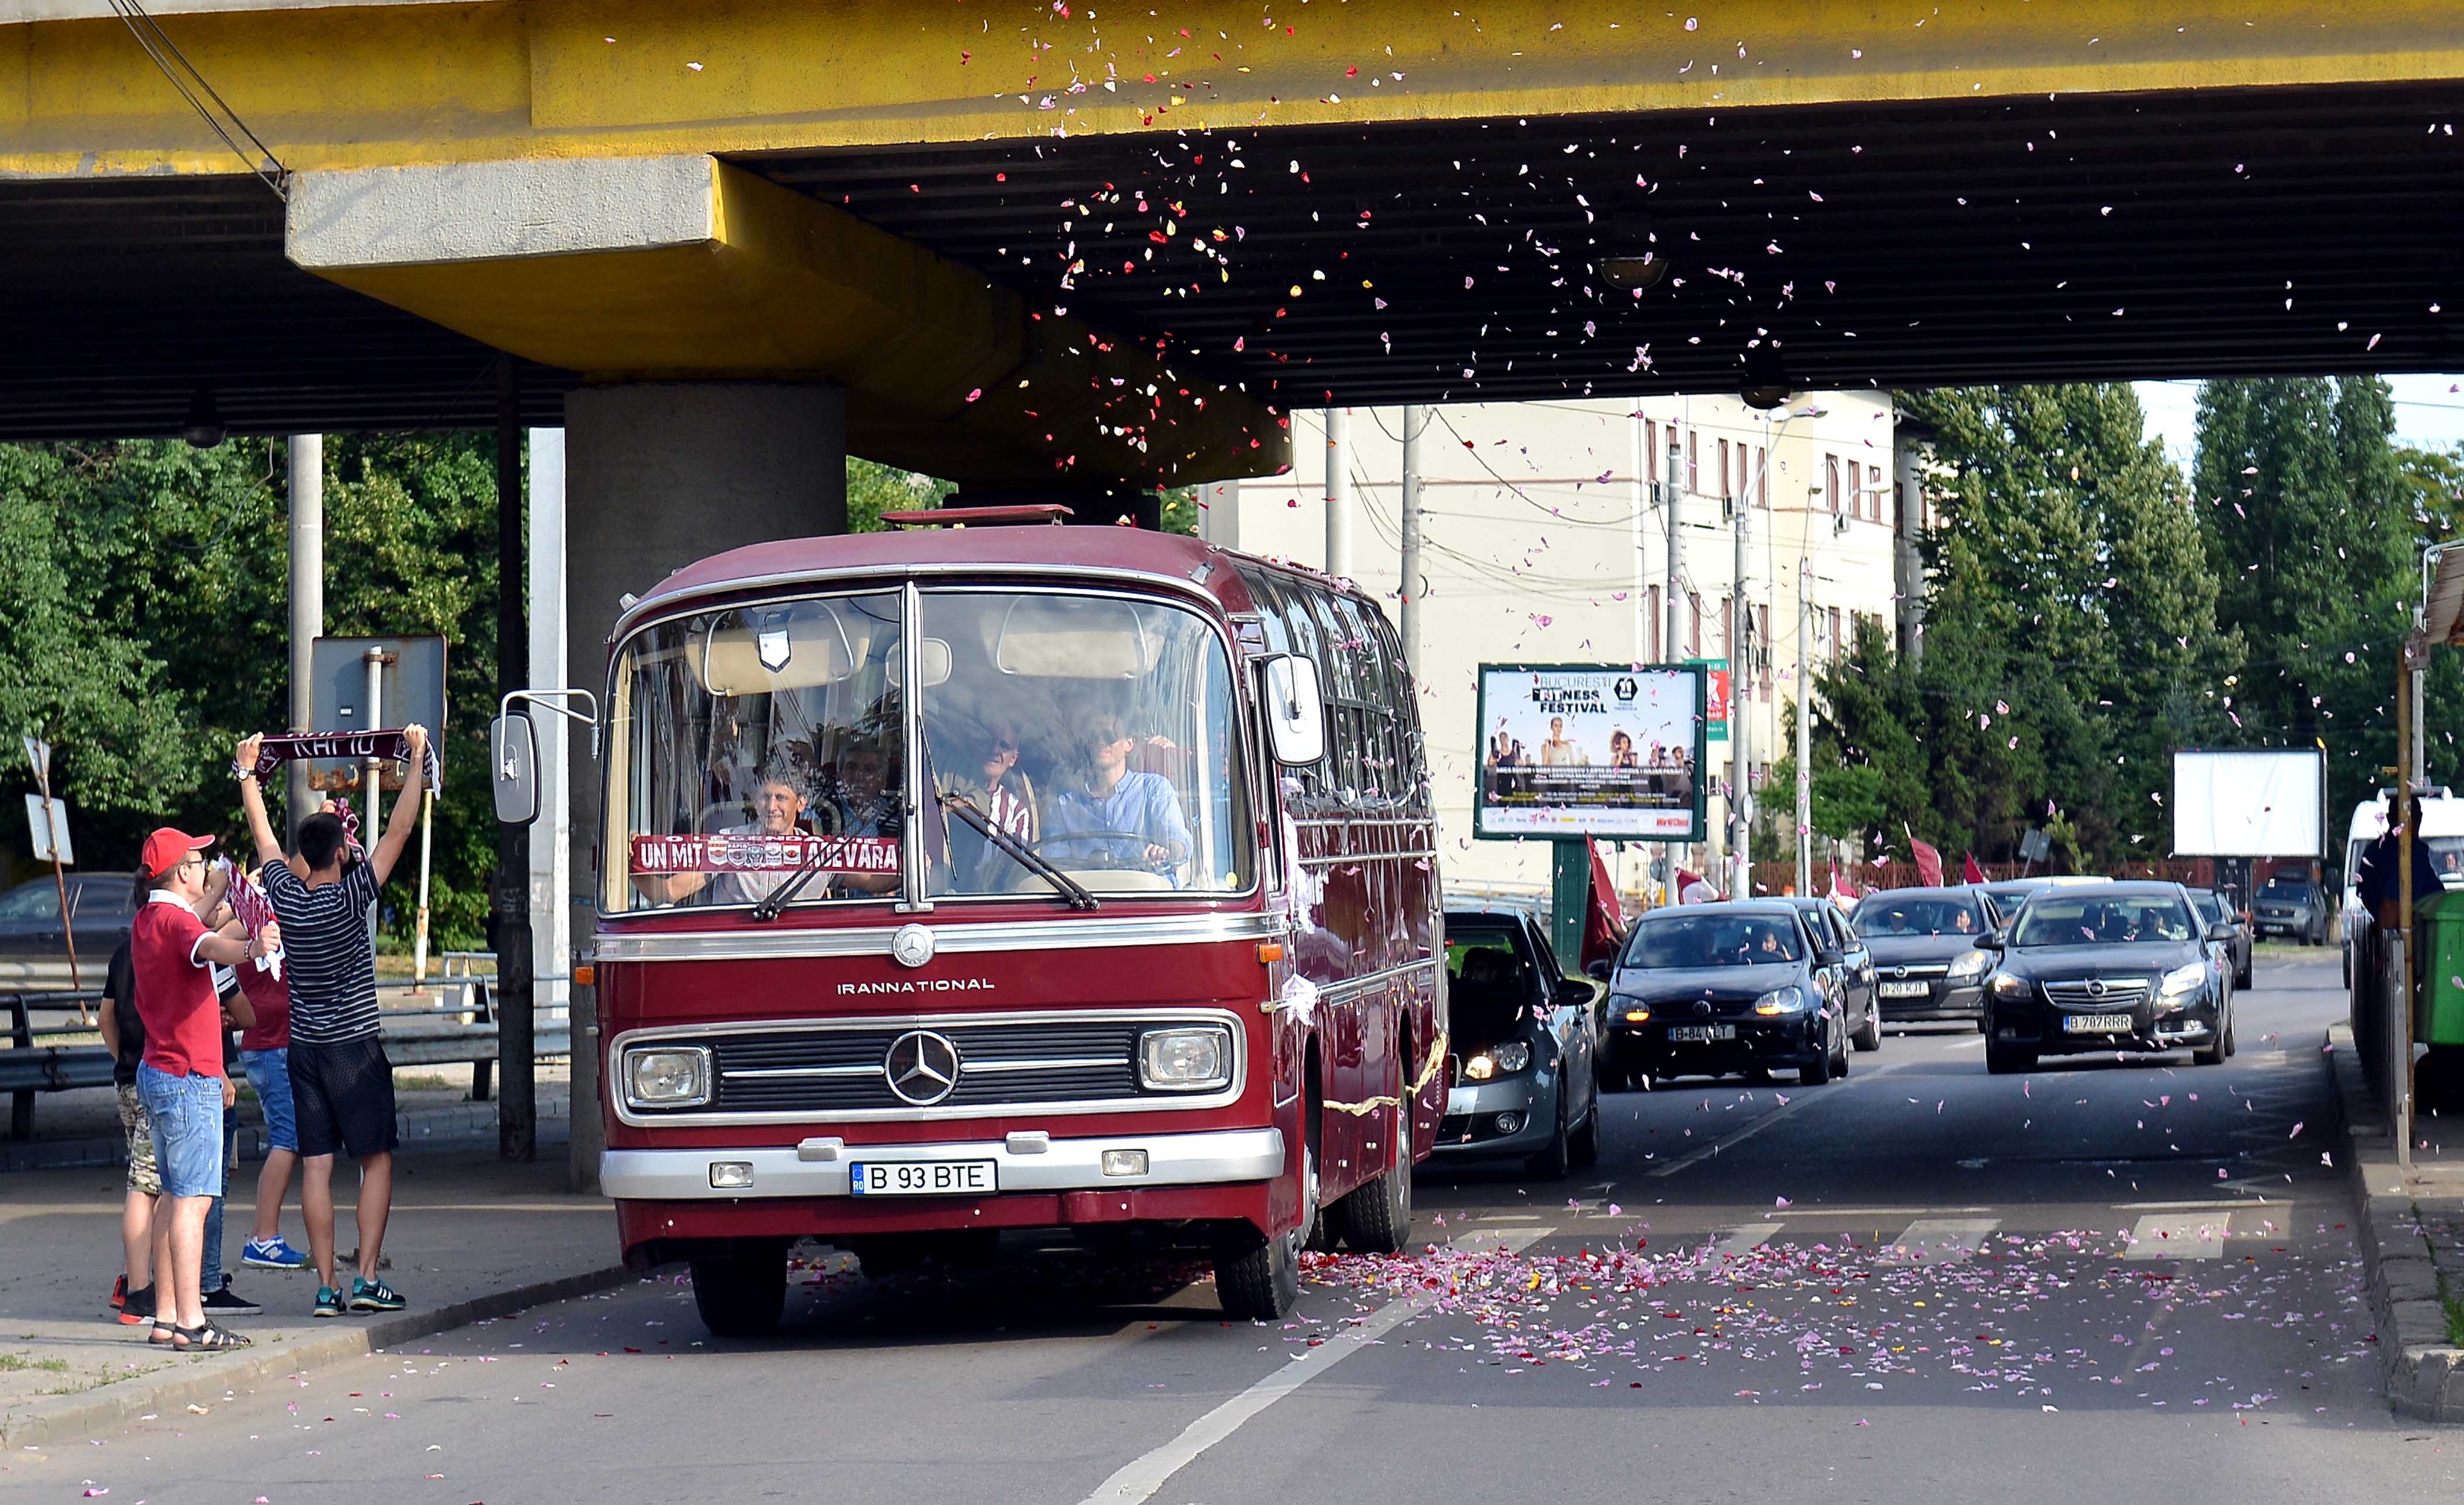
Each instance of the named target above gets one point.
<point>1968,871</point>
<point>1840,886</point>
<point>1929,863</point>
<point>1685,881</point>
<point>1603,925</point>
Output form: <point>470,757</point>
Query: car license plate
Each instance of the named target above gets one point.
<point>922,1179</point>
<point>1681,1034</point>
<point>2097,1024</point>
<point>1906,990</point>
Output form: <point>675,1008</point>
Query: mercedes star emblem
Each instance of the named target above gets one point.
<point>911,945</point>
<point>922,1066</point>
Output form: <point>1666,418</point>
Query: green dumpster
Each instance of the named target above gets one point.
<point>2438,1018</point>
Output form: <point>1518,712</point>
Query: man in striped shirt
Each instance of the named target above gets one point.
<point>341,1085</point>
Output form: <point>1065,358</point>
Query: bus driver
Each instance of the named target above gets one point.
<point>1133,818</point>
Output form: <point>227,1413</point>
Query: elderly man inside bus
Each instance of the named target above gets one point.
<point>1117,817</point>
<point>778,808</point>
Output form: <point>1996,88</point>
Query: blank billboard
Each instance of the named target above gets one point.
<point>2249,803</point>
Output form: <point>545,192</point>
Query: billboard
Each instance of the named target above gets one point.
<point>2253,804</point>
<point>1569,751</point>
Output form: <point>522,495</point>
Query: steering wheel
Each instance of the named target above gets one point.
<point>1108,856</point>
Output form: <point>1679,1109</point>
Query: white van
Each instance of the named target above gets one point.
<point>2442,825</point>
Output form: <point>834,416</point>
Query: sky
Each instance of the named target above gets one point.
<point>2429,414</point>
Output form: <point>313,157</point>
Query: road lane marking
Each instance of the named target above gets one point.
<point>2179,1235</point>
<point>1733,1137</point>
<point>1938,1241</point>
<point>1138,1479</point>
<point>1743,1239</point>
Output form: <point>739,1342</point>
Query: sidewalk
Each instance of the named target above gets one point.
<point>2411,1237</point>
<point>470,1237</point>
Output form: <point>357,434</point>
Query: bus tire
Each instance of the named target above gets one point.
<point>1376,1218</point>
<point>741,1292</point>
<point>1257,1276</point>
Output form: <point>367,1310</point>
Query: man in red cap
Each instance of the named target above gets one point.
<point>180,1078</point>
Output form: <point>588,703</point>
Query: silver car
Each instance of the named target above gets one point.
<point>1523,1070</point>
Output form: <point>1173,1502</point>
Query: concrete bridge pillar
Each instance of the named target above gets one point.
<point>659,475</point>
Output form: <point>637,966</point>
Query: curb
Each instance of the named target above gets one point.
<point>213,1378</point>
<point>2423,1371</point>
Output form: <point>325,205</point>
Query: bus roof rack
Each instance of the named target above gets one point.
<point>1051,512</point>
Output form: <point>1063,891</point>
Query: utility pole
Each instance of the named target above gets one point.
<point>1416,419</point>
<point>1672,500</point>
<point>307,608</point>
<point>1741,658</point>
<point>1641,504</point>
<point>1338,493</point>
<point>517,1092</point>
<point>1804,737</point>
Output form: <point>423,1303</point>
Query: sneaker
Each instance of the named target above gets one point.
<point>329,1302</point>
<point>272,1253</point>
<point>139,1308</point>
<point>226,1303</point>
<point>374,1295</point>
<point>120,1293</point>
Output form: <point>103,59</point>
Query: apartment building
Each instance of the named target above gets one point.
<point>1545,538</point>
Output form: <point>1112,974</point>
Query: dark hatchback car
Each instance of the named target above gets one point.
<point>1855,974</point>
<point>100,907</point>
<point>1525,1047</point>
<point>2292,907</point>
<point>1710,989</point>
<point>2109,967</point>
<point>1926,963</point>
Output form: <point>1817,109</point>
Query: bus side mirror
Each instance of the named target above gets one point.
<point>1295,716</point>
<point>512,759</point>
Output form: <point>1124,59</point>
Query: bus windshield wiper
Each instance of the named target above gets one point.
<point>785,892</point>
<point>1019,853</point>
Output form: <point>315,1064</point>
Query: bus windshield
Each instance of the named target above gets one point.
<point>762,754</point>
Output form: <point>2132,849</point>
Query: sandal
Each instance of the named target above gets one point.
<point>206,1336</point>
<point>161,1336</point>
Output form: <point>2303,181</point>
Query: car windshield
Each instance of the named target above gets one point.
<point>2285,888</point>
<point>1933,916</point>
<point>1094,733</point>
<point>1488,984</point>
<point>39,900</point>
<point>1698,940</point>
<point>2053,919</point>
<point>2211,908</point>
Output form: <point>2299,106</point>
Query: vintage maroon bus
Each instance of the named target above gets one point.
<point>961,881</point>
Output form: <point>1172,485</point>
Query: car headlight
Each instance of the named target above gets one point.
<point>2005,985</point>
<point>1498,1061</point>
<point>1185,1059</point>
<point>1790,1000</point>
<point>1970,964</point>
<point>2182,980</point>
<point>667,1076</point>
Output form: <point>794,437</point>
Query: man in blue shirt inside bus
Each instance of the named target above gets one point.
<point>1130,818</point>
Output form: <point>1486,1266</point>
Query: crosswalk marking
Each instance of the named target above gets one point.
<point>1938,1241</point>
<point>2180,1235</point>
<point>1743,1240</point>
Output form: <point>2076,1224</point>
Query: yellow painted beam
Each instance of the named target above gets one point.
<point>946,373</point>
<point>364,85</point>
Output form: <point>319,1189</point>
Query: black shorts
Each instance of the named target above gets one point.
<point>343,1097</point>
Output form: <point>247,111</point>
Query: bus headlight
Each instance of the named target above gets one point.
<point>1184,1060</point>
<point>667,1076</point>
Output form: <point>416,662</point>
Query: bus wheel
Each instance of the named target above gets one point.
<point>1257,1276</point>
<point>741,1292</point>
<point>1376,1218</point>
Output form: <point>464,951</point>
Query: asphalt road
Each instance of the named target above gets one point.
<point>2125,1281</point>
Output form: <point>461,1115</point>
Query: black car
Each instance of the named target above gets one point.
<point>2007,894</point>
<point>100,907</point>
<point>1525,1050</point>
<point>2107,967</point>
<point>1926,963</point>
<point>2215,909</point>
<point>2292,907</point>
<point>1855,974</point>
<point>1710,989</point>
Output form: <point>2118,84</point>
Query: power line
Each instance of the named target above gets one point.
<point>166,54</point>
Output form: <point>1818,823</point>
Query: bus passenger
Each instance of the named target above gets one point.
<point>1132,819</point>
<point>777,808</point>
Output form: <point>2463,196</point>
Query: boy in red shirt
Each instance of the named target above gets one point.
<point>180,1075</point>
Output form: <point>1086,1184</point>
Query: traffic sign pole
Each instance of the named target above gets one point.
<point>39,753</point>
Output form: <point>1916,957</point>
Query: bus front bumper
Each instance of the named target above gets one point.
<point>1020,1162</point>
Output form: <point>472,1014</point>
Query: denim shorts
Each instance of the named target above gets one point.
<point>188,1114</point>
<point>269,1071</point>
